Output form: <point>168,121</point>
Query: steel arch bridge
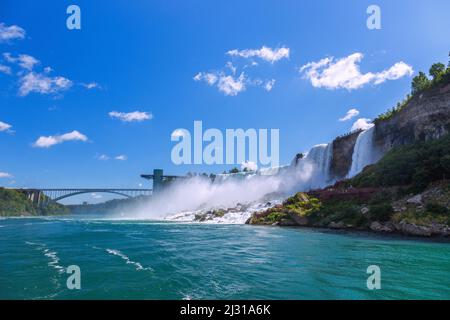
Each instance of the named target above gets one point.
<point>59,194</point>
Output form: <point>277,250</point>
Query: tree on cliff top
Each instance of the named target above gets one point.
<point>437,70</point>
<point>420,82</point>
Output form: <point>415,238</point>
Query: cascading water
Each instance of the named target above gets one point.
<point>232,198</point>
<point>364,152</point>
<point>319,158</point>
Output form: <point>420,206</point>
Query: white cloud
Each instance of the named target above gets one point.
<point>49,141</point>
<point>268,86</point>
<point>231,67</point>
<point>103,157</point>
<point>23,60</point>
<point>5,69</point>
<point>5,127</point>
<point>362,124</point>
<point>231,86</point>
<point>96,196</point>
<point>209,77</point>
<point>91,85</point>
<point>40,83</point>
<point>122,157</point>
<point>265,53</point>
<point>397,71</point>
<point>345,73</point>
<point>8,33</point>
<point>350,114</point>
<point>136,116</point>
<point>249,165</point>
<point>227,84</point>
<point>5,175</point>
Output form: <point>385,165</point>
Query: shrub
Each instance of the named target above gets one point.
<point>381,212</point>
<point>436,208</point>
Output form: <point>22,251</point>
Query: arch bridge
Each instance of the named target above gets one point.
<point>45,195</point>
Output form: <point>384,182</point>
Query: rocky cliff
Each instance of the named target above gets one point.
<point>342,155</point>
<point>425,117</point>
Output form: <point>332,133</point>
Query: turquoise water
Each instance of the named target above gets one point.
<point>154,260</point>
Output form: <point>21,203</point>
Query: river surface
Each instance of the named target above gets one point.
<point>121,259</point>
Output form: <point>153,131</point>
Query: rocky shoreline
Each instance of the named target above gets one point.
<point>425,214</point>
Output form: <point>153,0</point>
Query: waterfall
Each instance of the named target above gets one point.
<point>319,158</point>
<point>364,152</point>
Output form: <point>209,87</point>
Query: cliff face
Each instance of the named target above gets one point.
<point>342,155</point>
<point>426,117</point>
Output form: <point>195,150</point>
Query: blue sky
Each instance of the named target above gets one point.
<point>143,56</point>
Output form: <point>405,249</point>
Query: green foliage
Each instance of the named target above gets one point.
<point>347,212</point>
<point>421,218</point>
<point>391,112</point>
<point>275,217</point>
<point>420,83</point>
<point>436,208</point>
<point>437,71</point>
<point>417,165</point>
<point>381,211</point>
<point>302,205</point>
<point>14,203</point>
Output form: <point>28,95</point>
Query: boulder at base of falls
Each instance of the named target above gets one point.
<point>379,227</point>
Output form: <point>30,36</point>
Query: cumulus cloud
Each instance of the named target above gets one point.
<point>40,83</point>
<point>136,116</point>
<point>8,33</point>
<point>122,157</point>
<point>5,175</point>
<point>249,166</point>
<point>49,141</point>
<point>5,69</point>
<point>345,73</point>
<point>23,60</point>
<point>265,53</point>
<point>362,124</point>
<point>349,115</point>
<point>5,127</point>
<point>397,71</point>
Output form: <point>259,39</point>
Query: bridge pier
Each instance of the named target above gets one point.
<point>34,196</point>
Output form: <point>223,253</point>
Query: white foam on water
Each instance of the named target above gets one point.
<point>118,253</point>
<point>52,255</point>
